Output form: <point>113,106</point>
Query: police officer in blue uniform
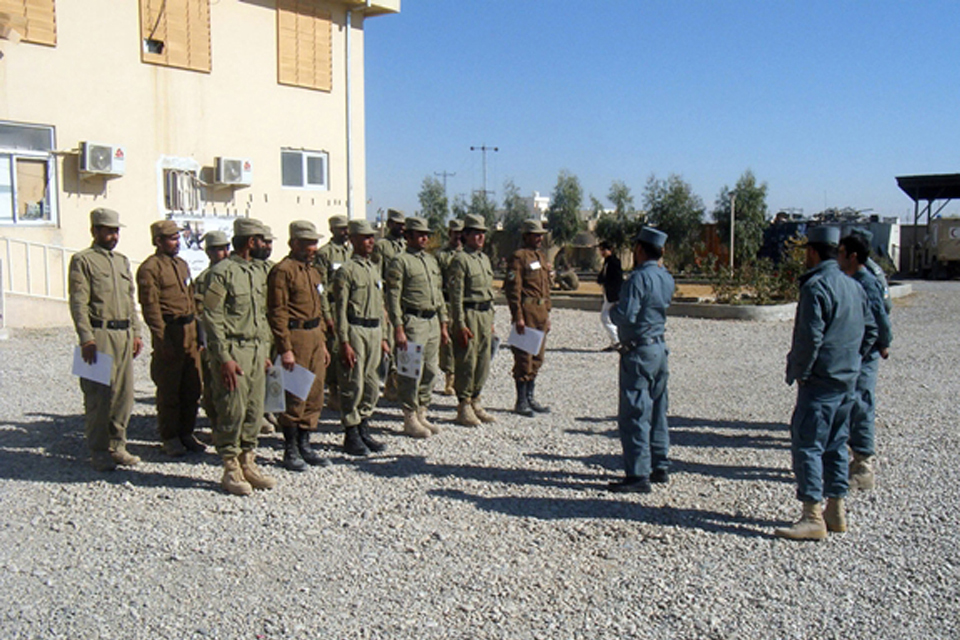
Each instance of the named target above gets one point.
<point>640,316</point>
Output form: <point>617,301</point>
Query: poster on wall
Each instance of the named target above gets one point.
<point>191,238</point>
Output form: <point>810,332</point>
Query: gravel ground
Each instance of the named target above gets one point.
<point>502,531</point>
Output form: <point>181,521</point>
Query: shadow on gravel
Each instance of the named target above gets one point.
<point>613,509</point>
<point>613,463</point>
<point>698,432</point>
<point>571,350</point>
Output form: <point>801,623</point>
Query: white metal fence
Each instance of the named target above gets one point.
<point>35,269</point>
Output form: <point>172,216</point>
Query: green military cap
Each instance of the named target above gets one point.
<point>303,230</point>
<point>532,226</point>
<point>473,221</point>
<point>164,228</point>
<point>101,217</point>
<point>395,215</point>
<point>338,221</point>
<point>456,224</point>
<point>361,228</point>
<point>215,239</point>
<point>416,223</point>
<point>246,227</point>
<point>268,234</point>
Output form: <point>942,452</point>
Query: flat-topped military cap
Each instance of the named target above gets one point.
<point>395,215</point>
<point>215,239</point>
<point>338,221</point>
<point>865,235</point>
<point>823,234</point>
<point>532,226</point>
<point>303,230</point>
<point>361,228</point>
<point>246,227</point>
<point>455,224</point>
<point>473,221</point>
<point>416,223</point>
<point>651,236</point>
<point>164,228</point>
<point>268,233</point>
<point>102,217</point>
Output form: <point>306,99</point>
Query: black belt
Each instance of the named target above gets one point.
<point>630,345</point>
<point>369,323</point>
<point>306,324</point>
<point>235,337</point>
<point>111,324</point>
<point>425,314</point>
<point>478,306</point>
<point>172,319</point>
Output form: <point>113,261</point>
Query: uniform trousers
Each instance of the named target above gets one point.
<point>818,433</point>
<point>175,369</point>
<point>360,385</point>
<point>642,415</point>
<point>447,358</point>
<point>240,412</point>
<point>473,361</point>
<point>527,365</point>
<point>415,392</point>
<point>607,323</point>
<point>107,409</point>
<point>863,413</point>
<point>308,346</point>
<point>208,402</point>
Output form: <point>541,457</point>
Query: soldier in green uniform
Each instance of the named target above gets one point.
<point>445,257</point>
<point>169,311</point>
<point>217,247</point>
<point>261,257</point>
<point>330,257</point>
<point>101,294</point>
<point>471,316</point>
<point>418,314</point>
<point>358,311</point>
<point>385,250</point>
<point>527,287</point>
<point>297,311</point>
<point>234,318</point>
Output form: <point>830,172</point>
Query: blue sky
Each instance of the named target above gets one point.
<point>827,102</point>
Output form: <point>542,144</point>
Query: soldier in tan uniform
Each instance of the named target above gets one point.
<point>358,296</point>
<point>234,317</point>
<point>527,287</point>
<point>471,316</point>
<point>330,257</point>
<point>385,250</point>
<point>217,247</point>
<point>169,310</point>
<point>297,311</point>
<point>101,294</point>
<point>445,256</point>
<point>418,314</point>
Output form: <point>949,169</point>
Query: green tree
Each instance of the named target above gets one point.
<point>596,207</point>
<point>621,198</point>
<point>433,203</point>
<point>515,211</point>
<point>481,205</point>
<point>673,208</point>
<point>459,207</point>
<point>750,210</point>
<point>563,216</point>
<point>619,228</point>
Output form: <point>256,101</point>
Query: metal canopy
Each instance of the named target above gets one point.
<point>944,186</point>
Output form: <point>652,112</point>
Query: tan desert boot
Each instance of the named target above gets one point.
<point>124,458</point>
<point>480,412</point>
<point>448,389</point>
<point>422,417</point>
<point>254,474</point>
<point>233,480</point>
<point>412,426</point>
<point>861,472</point>
<point>466,415</point>
<point>809,527</point>
<point>835,516</point>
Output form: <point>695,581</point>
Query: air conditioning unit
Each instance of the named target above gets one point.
<point>103,159</point>
<point>234,171</point>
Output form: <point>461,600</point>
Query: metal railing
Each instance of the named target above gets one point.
<point>24,277</point>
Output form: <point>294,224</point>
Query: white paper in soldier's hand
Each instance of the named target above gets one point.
<point>530,340</point>
<point>410,362</point>
<point>298,382</point>
<point>99,371</point>
<point>274,401</point>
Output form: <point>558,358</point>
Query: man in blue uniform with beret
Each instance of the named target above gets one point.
<point>640,316</point>
<point>833,329</point>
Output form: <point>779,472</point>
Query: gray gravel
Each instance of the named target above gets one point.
<point>501,531</point>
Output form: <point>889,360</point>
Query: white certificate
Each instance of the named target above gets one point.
<point>410,362</point>
<point>530,340</point>
<point>298,382</point>
<point>99,371</point>
<point>534,265</point>
<point>274,400</point>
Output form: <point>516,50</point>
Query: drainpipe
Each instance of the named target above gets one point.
<point>349,107</point>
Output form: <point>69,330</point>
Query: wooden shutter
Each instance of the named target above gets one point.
<point>40,17</point>
<point>183,28</point>
<point>304,48</point>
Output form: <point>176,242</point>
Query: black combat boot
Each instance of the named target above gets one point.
<point>353,444</point>
<point>631,484</point>
<point>309,455</point>
<point>536,406</point>
<point>291,452</point>
<point>373,445</point>
<point>523,399</point>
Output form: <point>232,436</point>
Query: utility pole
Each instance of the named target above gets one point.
<point>444,174</point>
<point>733,218</point>
<point>484,150</point>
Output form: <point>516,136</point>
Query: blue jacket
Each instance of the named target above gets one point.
<point>833,329</point>
<point>642,309</point>
<point>875,298</point>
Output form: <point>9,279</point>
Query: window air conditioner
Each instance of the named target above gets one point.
<point>234,171</point>
<point>103,159</point>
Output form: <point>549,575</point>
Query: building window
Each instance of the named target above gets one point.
<point>34,20</point>
<point>28,175</point>
<point>176,33</point>
<point>304,169</point>
<point>304,49</point>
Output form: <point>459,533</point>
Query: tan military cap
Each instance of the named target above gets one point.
<point>338,221</point>
<point>361,228</point>
<point>268,233</point>
<point>532,226</point>
<point>416,223</point>
<point>101,217</point>
<point>395,215</point>
<point>215,239</point>
<point>164,228</point>
<point>303,230</point>
<point>456,224</point>
<point>246,227</point>
<point>473,221</point>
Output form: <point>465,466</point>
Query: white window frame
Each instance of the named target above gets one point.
<point>305,156</point>
<point>52,190</point>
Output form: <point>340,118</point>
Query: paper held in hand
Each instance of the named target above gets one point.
<point>410,362</point>
<point>99,371</point>
<point>298,382</point>
<point>530,340</point>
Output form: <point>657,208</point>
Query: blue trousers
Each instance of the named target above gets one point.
<point>642,419</point>
<point>819,431</point>
<point>864,407</point>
